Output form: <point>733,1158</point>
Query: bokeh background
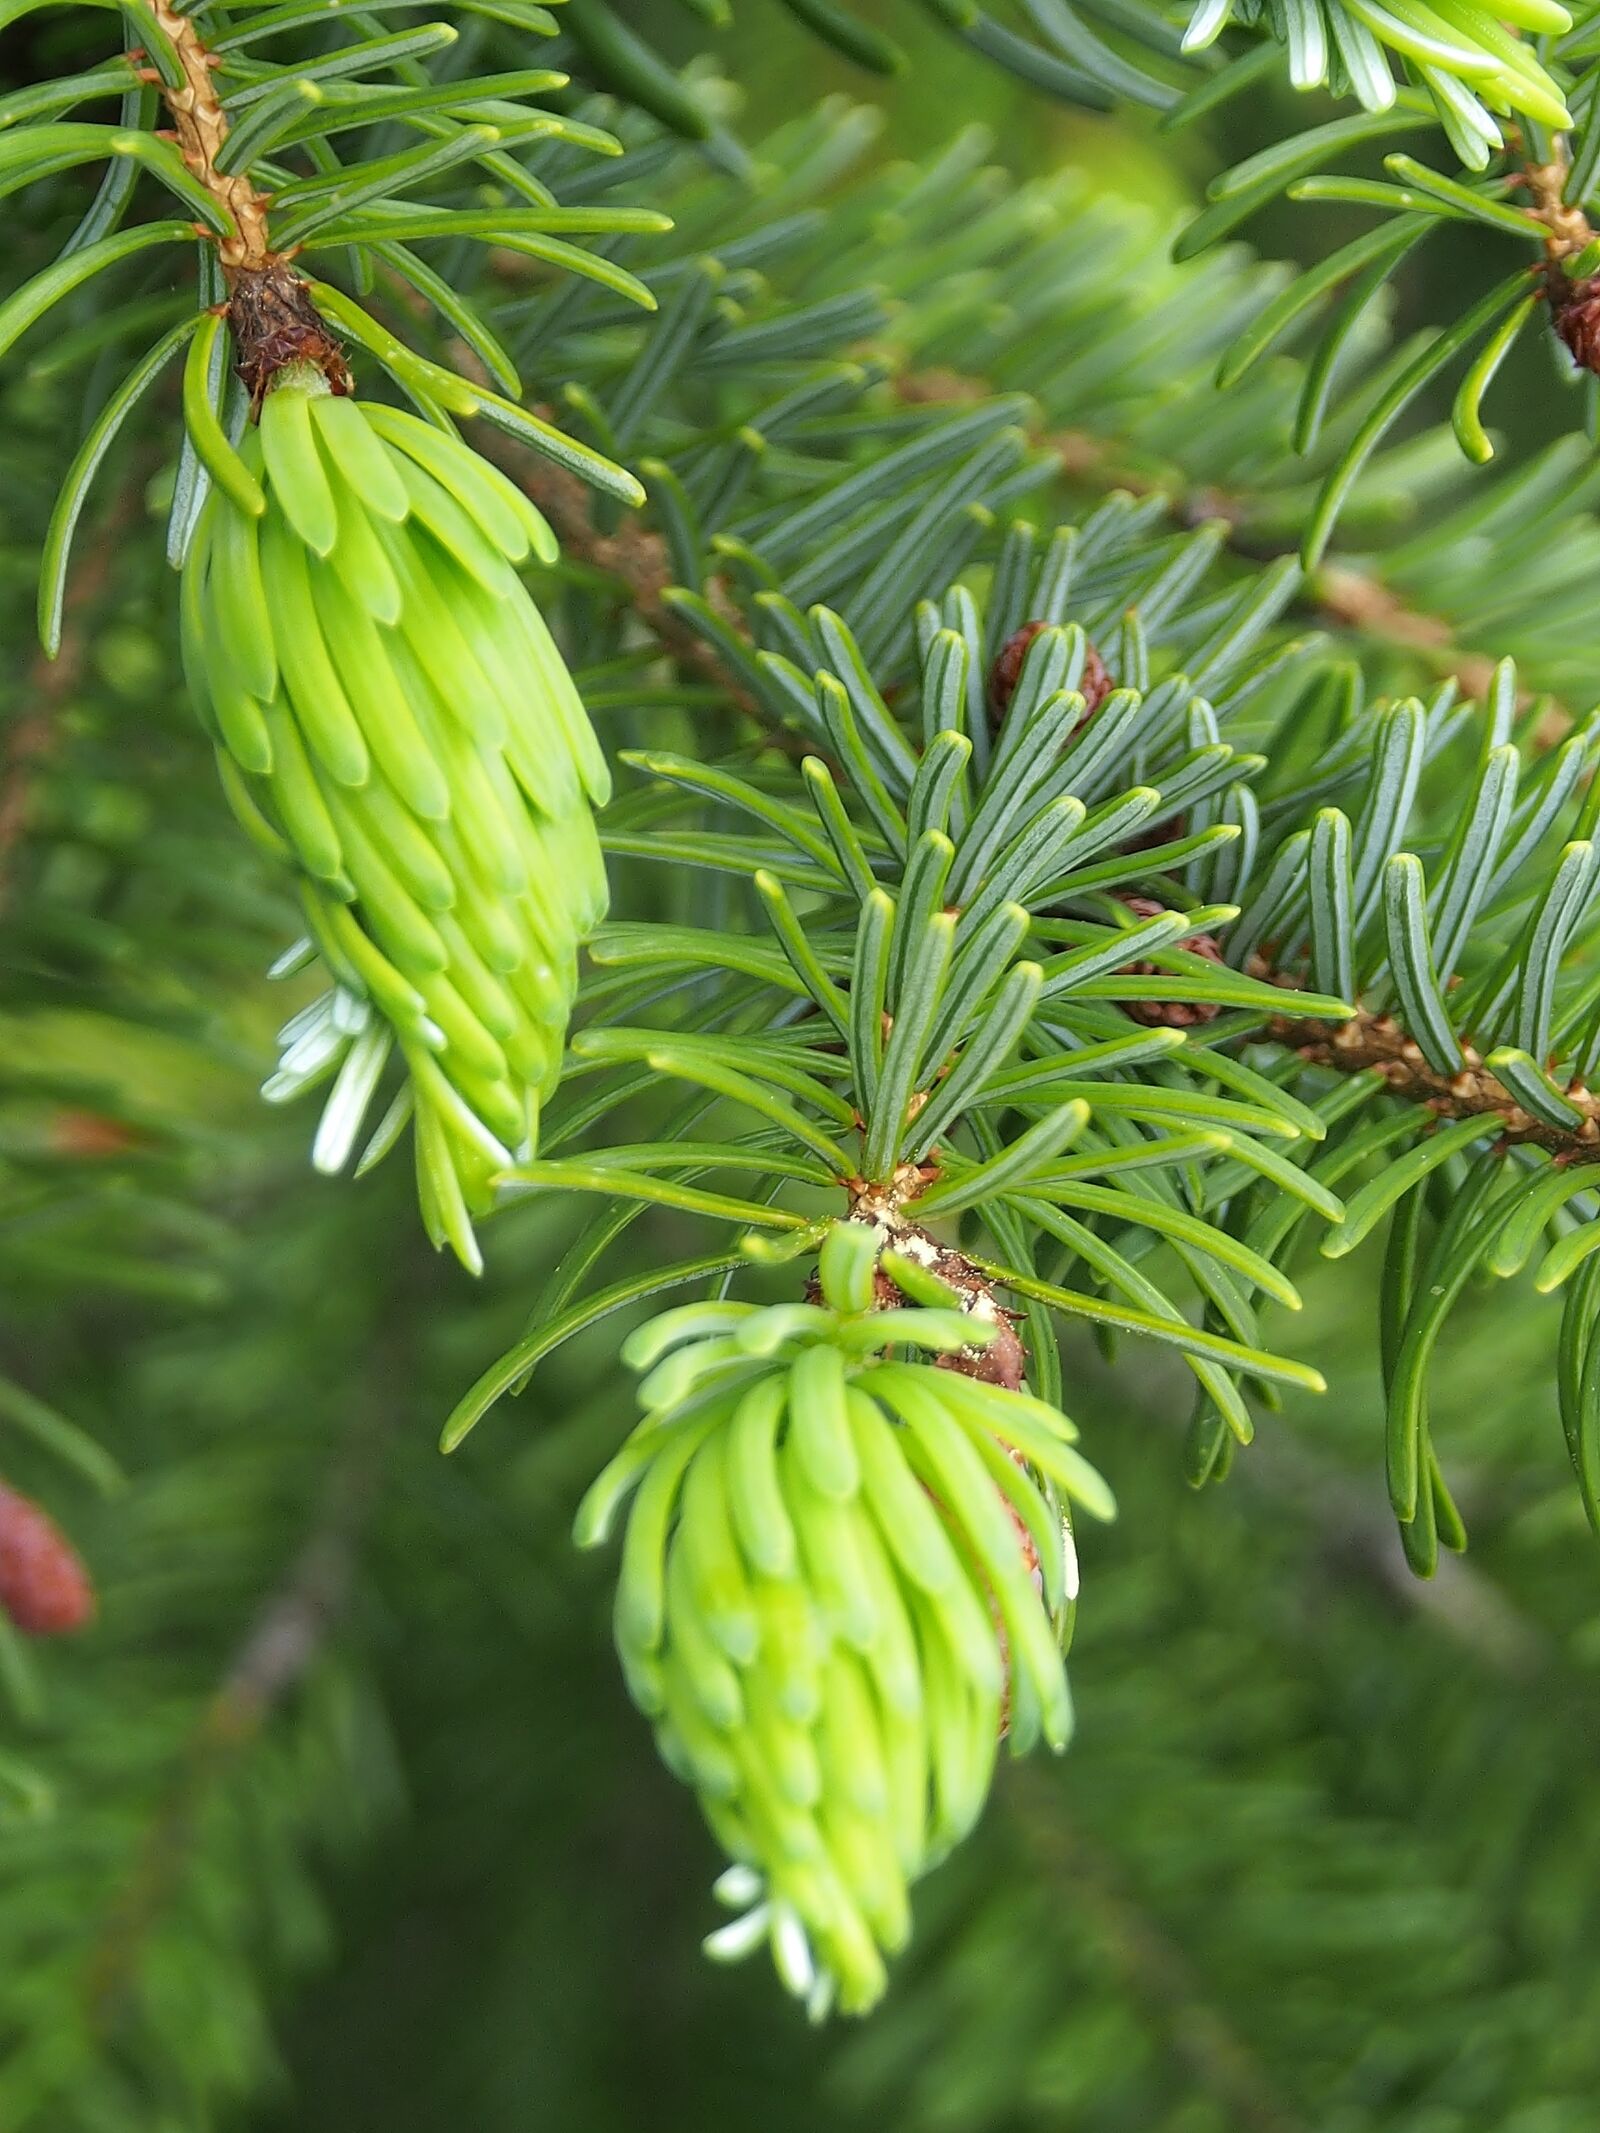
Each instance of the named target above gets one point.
<point>400,1856</point>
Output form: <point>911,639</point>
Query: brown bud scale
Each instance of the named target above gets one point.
<point>1003,1360</point>
<point>1575,314</point>
<point>274,323</point>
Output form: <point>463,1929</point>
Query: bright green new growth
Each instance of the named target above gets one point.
<point>845,1576</point>
<point>393,720</point>
<point>1464,56</point>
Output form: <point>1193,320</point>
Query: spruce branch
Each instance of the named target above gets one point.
<point>864,577</point>
<point>270,313</point>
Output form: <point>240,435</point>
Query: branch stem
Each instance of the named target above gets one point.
<point>201,127</point>
<point>1376,1043</point>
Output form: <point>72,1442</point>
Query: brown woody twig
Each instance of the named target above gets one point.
<point>200,126</point>
<point>1376,1043</point>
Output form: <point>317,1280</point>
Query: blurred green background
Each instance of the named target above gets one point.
<point>1321,1859</point>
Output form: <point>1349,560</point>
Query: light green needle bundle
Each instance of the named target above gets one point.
<point>393,719</point>
<point>843,1576</point>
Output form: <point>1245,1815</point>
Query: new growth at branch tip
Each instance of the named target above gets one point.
<point>847,1574</point>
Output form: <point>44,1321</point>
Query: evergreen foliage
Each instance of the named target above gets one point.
<point>1105,827</point>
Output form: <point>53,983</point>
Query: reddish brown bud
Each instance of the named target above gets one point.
<point>44,1586</point>
<point>1575,314</point>
<point>89,1134</point>
<point>1094,683</point>
<point>1168,1014</point>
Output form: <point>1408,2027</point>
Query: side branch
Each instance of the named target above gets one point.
<point>1373,1043</point>
<point>641,562</point>
<point>1352,599</point>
